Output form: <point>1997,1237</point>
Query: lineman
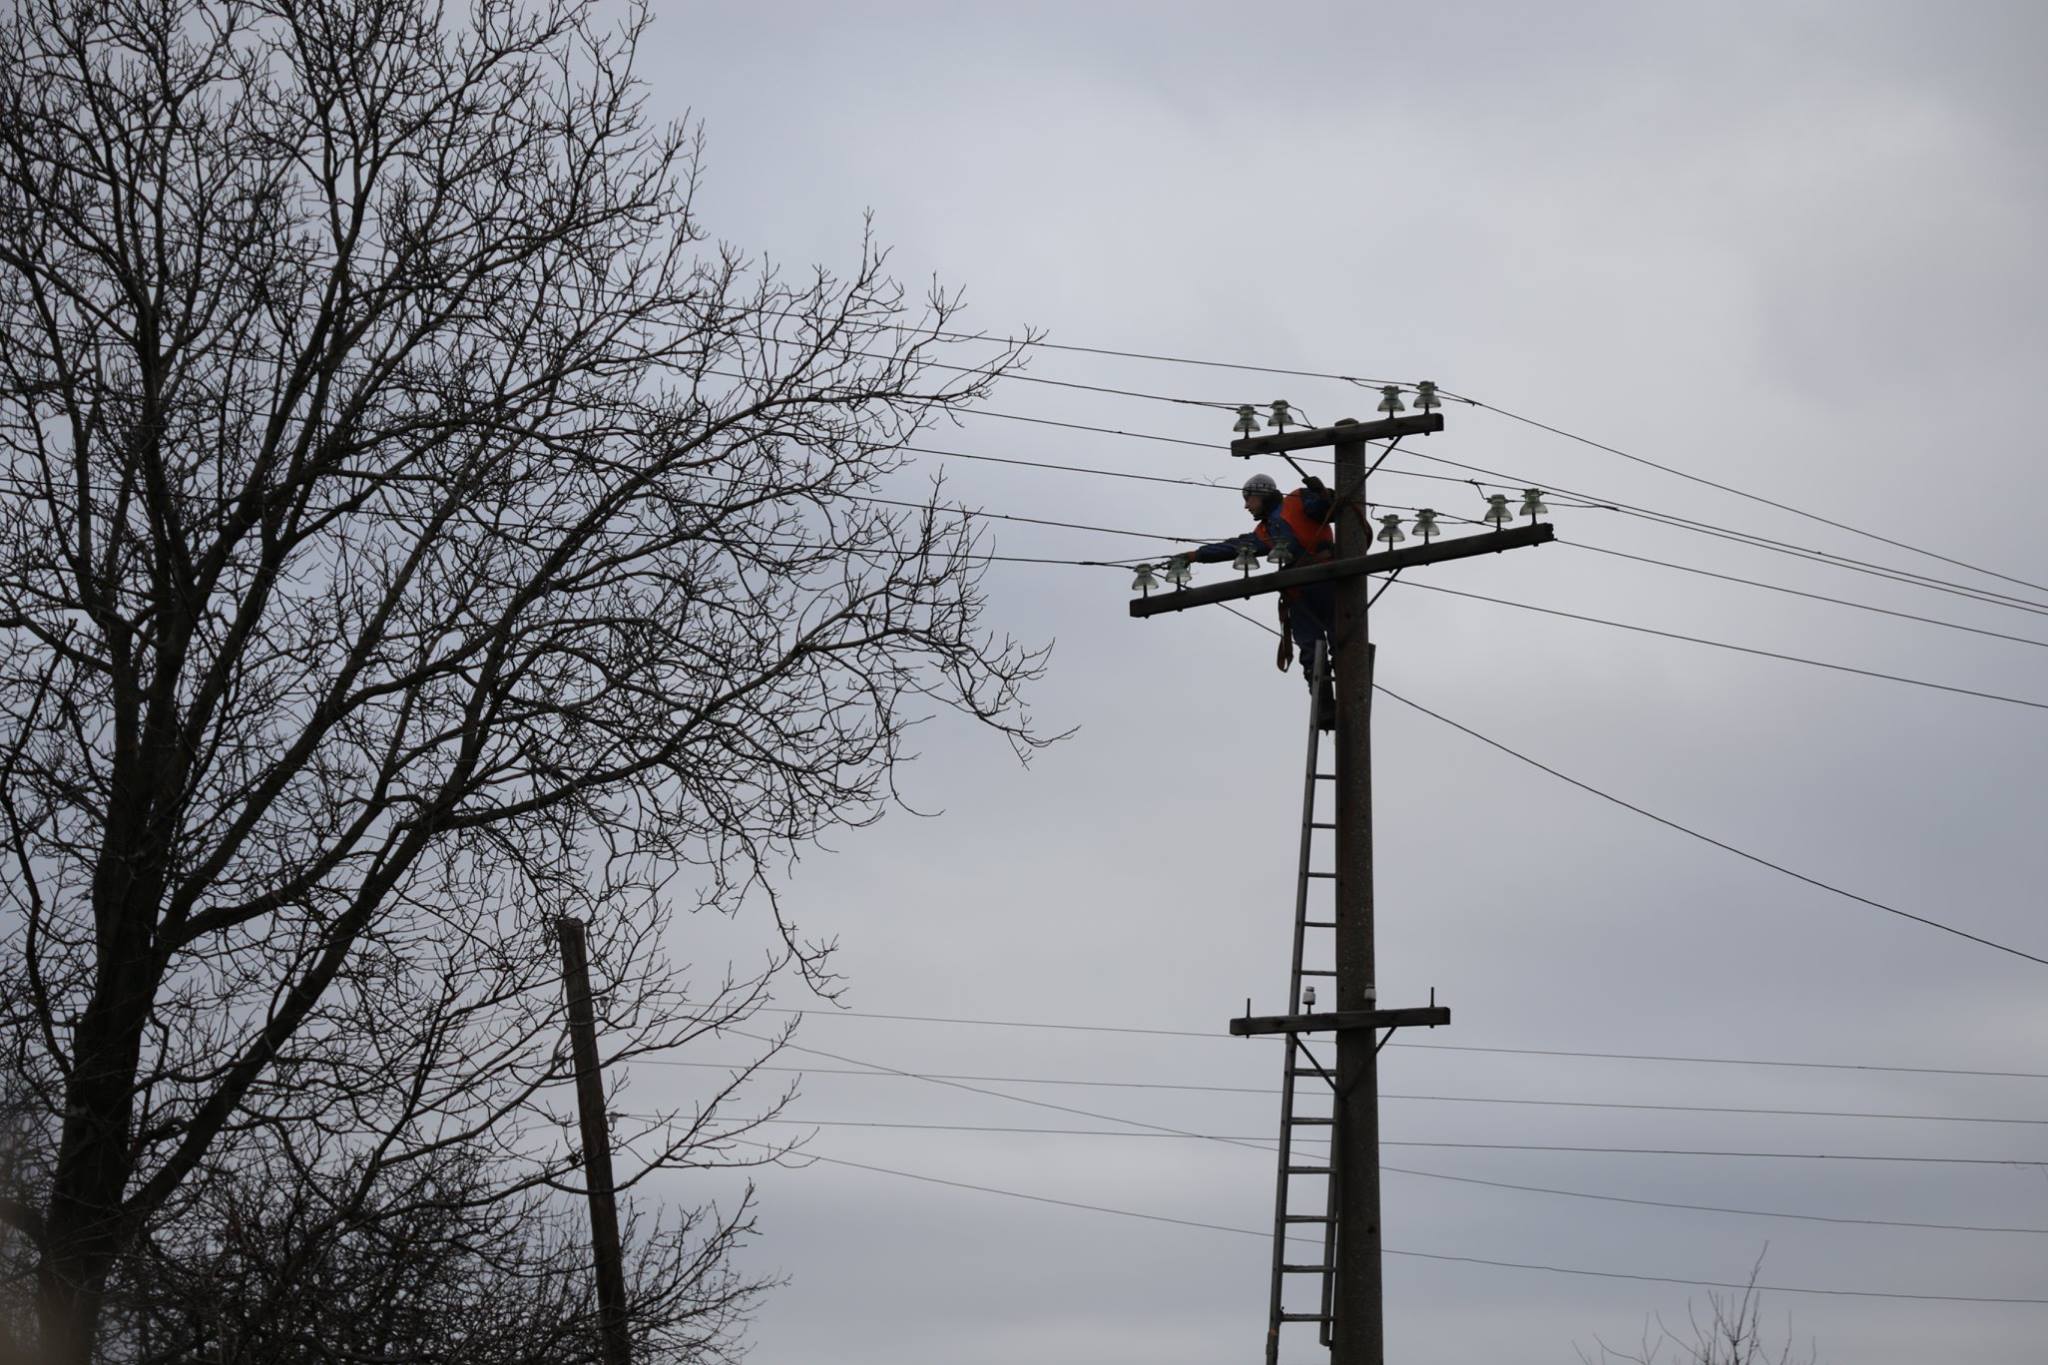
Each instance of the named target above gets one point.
<point>1297,527</point>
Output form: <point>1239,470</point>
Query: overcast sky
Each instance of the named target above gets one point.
<point>1792,248</point>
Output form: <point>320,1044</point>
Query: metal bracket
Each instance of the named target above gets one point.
<point>1380,461</point>
<point>1294,1041</point>
<point>1340,1021</point>
<point>1389,581</point>
<point>1382,1043</point>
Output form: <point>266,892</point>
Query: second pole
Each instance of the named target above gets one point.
<point>614,1343</point>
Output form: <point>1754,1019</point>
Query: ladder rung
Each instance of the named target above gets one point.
<point>1322,874</point>
<point>1326,777</point>
<point>1309,1118</point>
<point>1307,1218</point>
<point>1316,971</point>
<point>1306,1317</point>
<point>1308,1170</point>
<point>1308,1269</point>
<point>1319,924</point>
<point>1318,824</point>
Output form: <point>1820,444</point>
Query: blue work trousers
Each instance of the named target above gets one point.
<point>1308,620</point>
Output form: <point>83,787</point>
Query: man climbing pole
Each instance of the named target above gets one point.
<point>1292,530</point>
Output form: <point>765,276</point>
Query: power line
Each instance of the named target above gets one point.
<point>1689,639</point>
<point>1818,556</point>
<point>1270,1091</point>
<point>1662,518</point>
<point>1159,1130</point>
<point>1084,426</point>
<point>1551,1190</point>
<point>1714,1208</point>
<point>1156,1128</point>
<point>1105,530</point>
<point>1709,839</point>
<point>1215,1036</point>
<point>1598,503</point>
<point>378,256</point>
<point>1568,1148</point>
<point>1596,549</point>
<point>1739,649</point>
<point>1979,594</point>
<point>1162,1130</point>
<point>1041,344</point>
<point>1672,824</point>
<point>1391,1251</point>
<point>26,486</point>
<point>1810,596</point>
<point>872,1069</point>
<point>1754,497</point>
<point>1030,342</point>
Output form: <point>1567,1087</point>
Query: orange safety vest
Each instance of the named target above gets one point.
<point>1316,540</point>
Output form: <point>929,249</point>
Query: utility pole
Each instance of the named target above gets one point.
<point>1352,1316</point>
<point>1356,1333</point>
<point>614,1342</point>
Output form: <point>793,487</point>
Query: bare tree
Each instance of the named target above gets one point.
<point>414,532</point>
<point>1730,1332</point>
<point>263,1268</point>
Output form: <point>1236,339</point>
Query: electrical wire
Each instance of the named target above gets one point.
<point>1595,549</point>
<point>1707,838</point>
<point>1406,583</point>
<point>1572,616</point>
<point>1147,1129</point>
<point>1650,514</point>
<point>1673,824</point>
<point>1819,556</point>
<point>1592,501</point>
<point>379,257</point>
<point>1595,502</point>
<point>1183,539</point>
<point>1265,1144</point>
<point>1271,1092</point>
<point>1038,343</point>
<point>1216,1035</point>
<point>1753,497</point>
<point>1877,674</point>
<point>1714,1208</point>
<point>1156,1128</point>
<point>24,486</point>
<point>1031,342</point>
<point>875,1069</point>
<point>812,1157</point>
<point>1810,596</point>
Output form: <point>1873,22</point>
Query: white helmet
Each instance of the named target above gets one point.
<point>1262,485</point>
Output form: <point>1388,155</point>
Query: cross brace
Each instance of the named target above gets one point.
<point>1253,585</point>
<point>1337,1021</point>
<point>1421,424</point>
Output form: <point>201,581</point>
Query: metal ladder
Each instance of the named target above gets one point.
<point>1315,960</point>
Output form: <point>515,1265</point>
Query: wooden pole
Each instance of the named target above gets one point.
<point>1357,1332</point>
<point>614,1341</point>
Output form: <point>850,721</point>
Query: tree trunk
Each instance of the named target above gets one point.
<point>83,1228</point>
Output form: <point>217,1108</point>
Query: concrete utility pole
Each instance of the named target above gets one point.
<point>1353,1321</point>
<point>1356,1334</point>
<point>614,1341</point>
